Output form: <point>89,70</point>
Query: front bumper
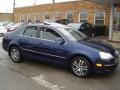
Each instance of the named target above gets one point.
<point>107,67</point>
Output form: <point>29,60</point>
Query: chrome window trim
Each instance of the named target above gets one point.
<point>43,53</point>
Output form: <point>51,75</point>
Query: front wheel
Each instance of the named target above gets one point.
<point>80,67</point>
<point>15,54</point>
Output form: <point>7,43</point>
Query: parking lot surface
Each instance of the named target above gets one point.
<point>34,75</point>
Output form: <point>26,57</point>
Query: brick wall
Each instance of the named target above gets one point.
<point>6,17</point>
<point>63,8</point>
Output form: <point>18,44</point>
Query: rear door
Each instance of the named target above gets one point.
<point>29,40</point>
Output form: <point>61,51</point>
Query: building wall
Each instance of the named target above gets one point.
<point>6,17</point>
<point>74,7</point>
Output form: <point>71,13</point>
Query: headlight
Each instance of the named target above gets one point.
<point>104,55</point>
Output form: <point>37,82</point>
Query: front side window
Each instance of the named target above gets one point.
<point>30,31</point>
<point>83,16</point>
<point>49,34</point>
<point>99,18</point>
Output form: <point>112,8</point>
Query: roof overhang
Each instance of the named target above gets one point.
<point>108,2</point>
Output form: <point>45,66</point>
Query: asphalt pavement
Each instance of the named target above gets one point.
<point>34,75</point>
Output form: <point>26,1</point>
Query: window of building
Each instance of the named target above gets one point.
<point>31,31</point>
<point>22,18</point>
<point>49,34</point>
<point>116,23</point>
<point>99,18</point>
<point>70,17</point>
<point>47,17</point>
<point>37,19</point>
<point>57,16</point>
<point>83,16</point>
<point>29,19</point>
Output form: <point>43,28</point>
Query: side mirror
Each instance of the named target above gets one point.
<point>60,40</point>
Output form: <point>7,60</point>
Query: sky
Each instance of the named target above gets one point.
<point>7,5</point>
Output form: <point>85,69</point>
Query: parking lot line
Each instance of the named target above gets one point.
<point>0,39</point>
<point>41,81</point>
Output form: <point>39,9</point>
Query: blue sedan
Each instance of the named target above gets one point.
<point>61,45</point>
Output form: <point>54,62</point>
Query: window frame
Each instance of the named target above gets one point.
<point>36,18</point>
<point>45,17</point>
<point>22,18</point>
<point>80,16</point>
<point>99,19</point>
<point>72,17</point>
<point>29,19</point>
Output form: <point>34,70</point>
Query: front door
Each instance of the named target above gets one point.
<point>49,48</point>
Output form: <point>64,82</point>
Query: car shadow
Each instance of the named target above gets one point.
<point>67,70</point>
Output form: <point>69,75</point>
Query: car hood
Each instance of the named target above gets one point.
<point>98,44</point>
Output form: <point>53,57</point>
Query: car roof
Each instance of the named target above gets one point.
<point>54,25</point>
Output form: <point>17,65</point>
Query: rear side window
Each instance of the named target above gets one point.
<point>31,31</point>
<point>21,30</point>
<point>49,34</point>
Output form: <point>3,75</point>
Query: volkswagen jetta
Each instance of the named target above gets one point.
<point>61,45</point>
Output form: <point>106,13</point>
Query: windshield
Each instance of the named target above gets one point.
<point>75,25</point>
<point>72,34</point>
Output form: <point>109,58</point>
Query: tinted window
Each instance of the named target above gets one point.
<point>21,30</point>
<point>49,34</point>
<point>31,31</point>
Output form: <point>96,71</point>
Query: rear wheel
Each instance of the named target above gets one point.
<point>15,54</point>
<point>80,67</point>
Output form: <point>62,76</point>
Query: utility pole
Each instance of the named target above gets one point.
<point>34,2</point>
<point>13,8</point>
<point>53,1</point>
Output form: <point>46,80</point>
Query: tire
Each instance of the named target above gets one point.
<point>15,54</point>
<point>80,67</point>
